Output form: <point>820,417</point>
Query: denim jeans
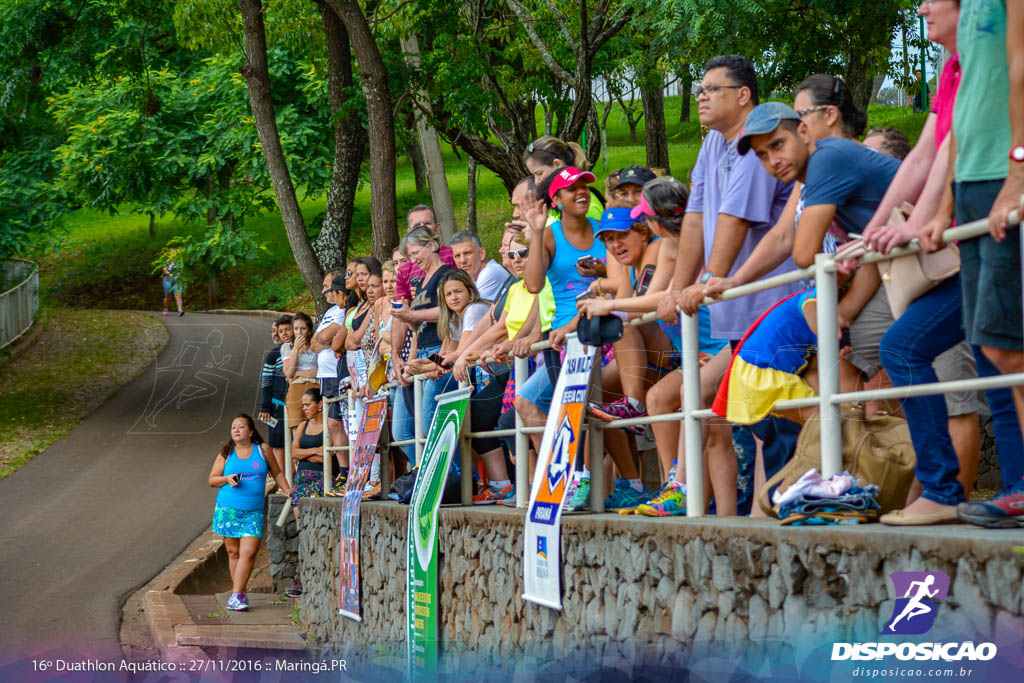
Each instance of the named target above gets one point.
<point>929,326</point>
<point>402,425</point>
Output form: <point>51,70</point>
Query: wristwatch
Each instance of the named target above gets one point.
<point>706,276</point>
<point>1017,153</point>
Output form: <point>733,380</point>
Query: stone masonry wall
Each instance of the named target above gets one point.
<point>652,590</point>
<point>282,543</point>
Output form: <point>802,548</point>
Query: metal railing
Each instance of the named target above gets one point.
<point>827,401</point>
<point>19,302</point>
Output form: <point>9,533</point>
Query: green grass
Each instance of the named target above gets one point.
<point>80,358</point>
<point>105,261</point>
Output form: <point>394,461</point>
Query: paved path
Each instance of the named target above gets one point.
<point>106,508</point>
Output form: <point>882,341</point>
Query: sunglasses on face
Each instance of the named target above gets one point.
<point>521,253</point>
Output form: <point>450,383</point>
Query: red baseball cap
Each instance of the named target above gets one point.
<point>566,177</point>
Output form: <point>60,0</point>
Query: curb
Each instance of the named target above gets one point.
<point>259,313</point>
<point>165,609</point>
<point>25,343</point>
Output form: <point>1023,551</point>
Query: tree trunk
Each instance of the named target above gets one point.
<point>212,291</point>
<point>257,77</point>
<point>593,130</point>
<point>652,94</point>
<point>531,107</point>
<point>331,246</point>
<point>471,195</point>
<point>685,85</point>
<point>412,150</point>
<point>440,194</point>
<point>373,77</point>
<point>859,76</point>
<point>152,224</point>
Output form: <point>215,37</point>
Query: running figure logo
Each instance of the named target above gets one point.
<point>914,613</point>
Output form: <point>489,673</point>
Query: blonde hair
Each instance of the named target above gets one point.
<point>388,267</point>
<point>447,319</point>
<point>546,149</point>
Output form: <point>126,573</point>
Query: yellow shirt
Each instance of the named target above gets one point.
<point>520,301</point>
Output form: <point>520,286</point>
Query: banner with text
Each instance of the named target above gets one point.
<point>561,441</point>
<point>442,442</point>
<point>360,462</point>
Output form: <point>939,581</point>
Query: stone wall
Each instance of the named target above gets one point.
<point>653,590</point>
<point>282,544</point>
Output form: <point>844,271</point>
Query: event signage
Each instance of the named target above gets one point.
<point>561,441</point>
<point>360,463</point>
<point>423,618</point>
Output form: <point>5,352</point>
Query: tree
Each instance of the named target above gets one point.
<point>257,75</point>
<point>350,138</point>
<point>373,76</point>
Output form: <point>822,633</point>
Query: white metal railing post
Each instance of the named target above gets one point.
<point>521,372</point>
<point>283,517</point>
<point>328,474</point>
<point>595,438</point>
<point>354,423</point>
<point>693,439</point>
<point>417,411</point>
<point>828,365</point>
<point>287,443</point>
<point>466,453</point>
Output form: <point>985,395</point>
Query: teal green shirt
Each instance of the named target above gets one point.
<point>981,117</point>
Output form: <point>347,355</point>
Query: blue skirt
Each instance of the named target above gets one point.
<point>233,523</point>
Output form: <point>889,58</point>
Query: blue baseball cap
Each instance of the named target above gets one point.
<point>764,118</point>
<point>615,220</point>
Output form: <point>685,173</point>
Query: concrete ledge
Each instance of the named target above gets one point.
<point>260,313</point>
<point>263,637</point>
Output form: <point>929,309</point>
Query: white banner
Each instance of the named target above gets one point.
<point>562,438</point>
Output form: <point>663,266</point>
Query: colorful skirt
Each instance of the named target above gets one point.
<point>748,392</point>
<point>307,484</point>
<point>234,523</point>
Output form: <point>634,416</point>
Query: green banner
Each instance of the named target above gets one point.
<point>423,619</point>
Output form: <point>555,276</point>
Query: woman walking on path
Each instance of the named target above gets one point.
<point>172,285</point>
<point>240,471</point>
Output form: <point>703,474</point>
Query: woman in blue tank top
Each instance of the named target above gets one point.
<point>240,472</point>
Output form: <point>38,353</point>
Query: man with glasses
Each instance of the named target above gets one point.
<point>733,203</point>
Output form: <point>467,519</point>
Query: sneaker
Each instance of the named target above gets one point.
<point>238,603</point>
<point>619,409</point>
<point>624,497</point>
<point>166,312</point>
<point>337,489</point>
<point>581,496</point>
<point>181,313</point>
<point>1005,511</point>
<point>491,495</point>
<point>372,491</point>
<point>671,501</point>
<point>295,591</point>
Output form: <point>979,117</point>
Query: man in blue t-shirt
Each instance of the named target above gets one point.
<point>843,182</point>
<point>843,179</point>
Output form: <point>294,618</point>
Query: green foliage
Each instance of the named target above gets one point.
<point>29,205</point>
<point>220,249</point>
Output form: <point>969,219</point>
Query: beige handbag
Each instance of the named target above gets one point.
<point>910,276</point>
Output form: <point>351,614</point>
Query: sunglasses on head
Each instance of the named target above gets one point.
<point>521,253</point>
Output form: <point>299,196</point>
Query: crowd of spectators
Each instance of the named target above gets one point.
<point>773,185</point>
